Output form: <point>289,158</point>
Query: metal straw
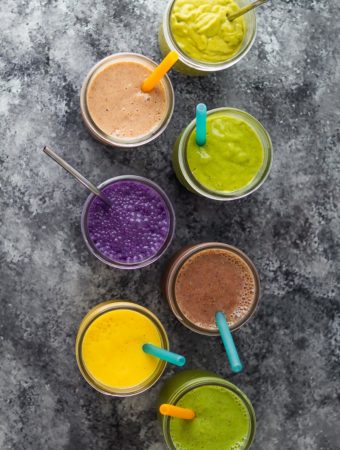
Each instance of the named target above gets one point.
<point>79,177</point>
<point>245,9</point>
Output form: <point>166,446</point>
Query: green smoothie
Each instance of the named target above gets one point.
<point>203,32</point>
<point>230,159</point>
<point>222,420</point>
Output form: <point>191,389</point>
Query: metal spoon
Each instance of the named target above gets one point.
<point>245,9</point>
<point>79,177</point>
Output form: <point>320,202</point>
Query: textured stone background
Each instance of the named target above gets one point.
<point>290,227</point>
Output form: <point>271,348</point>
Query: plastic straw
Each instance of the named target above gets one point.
<point>159,72</point>
<point>228,342</point>
<point>165,355</point>
<point>176,411</point>
<point>201,124</point>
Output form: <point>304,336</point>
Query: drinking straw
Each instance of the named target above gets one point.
<point>77,175</point>
<point>228,342</point>
<point>245,9</point>
<point>201,124</point>
<point>165,355</point>
<point>176,411</point>
<point>155,77</point>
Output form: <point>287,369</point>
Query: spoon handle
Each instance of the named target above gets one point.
<point>244,10</point>
<point>65,165</point>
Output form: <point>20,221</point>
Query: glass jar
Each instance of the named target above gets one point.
<point>190,66</point>
<point>90,317</point>
<point>183,382</point>
<point>125,142</point>
<point>132,265</point>
<point>185,176</point>
<point>173,269</point>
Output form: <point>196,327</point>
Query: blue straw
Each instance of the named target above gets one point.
<point>228,342</point>
<point>201,124</point>
<point>165,355</point>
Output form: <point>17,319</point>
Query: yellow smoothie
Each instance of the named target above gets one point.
<point>112,348</point>
<point>203,32</point>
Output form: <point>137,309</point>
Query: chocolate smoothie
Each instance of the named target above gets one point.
<point>117,104</point>
<point>215,279</point>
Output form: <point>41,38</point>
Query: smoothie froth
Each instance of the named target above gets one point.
<point>135,228</point>
<point>112,348</point>
<point>119,107</point>
<point>215,280</point>
<point>231,158</point>
<point>222,420</point>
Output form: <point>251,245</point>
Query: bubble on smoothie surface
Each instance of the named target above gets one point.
<point>135,228</point>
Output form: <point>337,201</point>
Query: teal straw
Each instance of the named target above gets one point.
<point>228,342</point>
<point>201,124</point>
<point>165,355</point>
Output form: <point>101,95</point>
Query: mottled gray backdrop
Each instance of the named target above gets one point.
<point>290,227</point>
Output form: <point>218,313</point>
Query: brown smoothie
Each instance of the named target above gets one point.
<point>117,104</point>
<point>215,280</point>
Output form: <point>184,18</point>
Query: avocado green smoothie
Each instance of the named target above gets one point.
<point>222,420</point>
<point>230,159</point>
<point>203,32</point>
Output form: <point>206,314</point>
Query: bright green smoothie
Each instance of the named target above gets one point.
<point>230,159</point>
<point>222,421</point>
<point>203,32</point>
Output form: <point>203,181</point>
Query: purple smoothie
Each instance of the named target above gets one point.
<point>135,228</point>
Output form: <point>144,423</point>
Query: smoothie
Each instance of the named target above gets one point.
<point>112,348</point>
<point>117,104</point>
<point>230,159</point>
<point>136,229</point>
<point>222,421</point>
<point>202,31</point>
<point>211,277</point>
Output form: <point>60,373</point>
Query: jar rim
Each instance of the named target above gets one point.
<point>114,141</point>
<point>90,317</point>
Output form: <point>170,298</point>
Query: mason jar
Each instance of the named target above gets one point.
<point>115,141</point>
<point>97,312</point>
<point>190,66</point>
<point>188,180</point>
<point>186,381</point>
<point>171,275</point>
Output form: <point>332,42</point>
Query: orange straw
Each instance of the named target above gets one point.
<point>162,68</point>
<point>176,411</point>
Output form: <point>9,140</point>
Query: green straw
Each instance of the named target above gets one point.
<point>201,124</point>
<point>165,355</point>
<point>228,342</point>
